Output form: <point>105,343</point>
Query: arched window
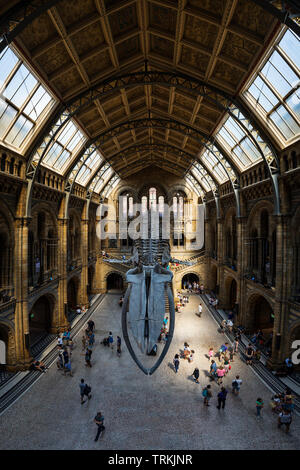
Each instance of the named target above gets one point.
<point>124,206</point>
<point>130,206</point>
<point>175,206</point>
<point>180,206</point>
<point>161,202</point>
<point>152,199</point>
<point>144,204</point>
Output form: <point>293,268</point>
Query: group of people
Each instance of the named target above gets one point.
<point>65,346</point>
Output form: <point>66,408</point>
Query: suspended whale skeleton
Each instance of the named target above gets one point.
<point>144,302</point>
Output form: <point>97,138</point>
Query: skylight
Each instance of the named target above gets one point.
<point>274,92</point>
<point>24,102</point>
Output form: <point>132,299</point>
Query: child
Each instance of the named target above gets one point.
<point>259,406</point>
<point>211,353</point>
<point>226,364</point>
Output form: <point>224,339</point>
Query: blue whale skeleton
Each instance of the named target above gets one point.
<point>144,302</point>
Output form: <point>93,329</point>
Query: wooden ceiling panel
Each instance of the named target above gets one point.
<point>239,49</point>
<point>41,31</point>
<point>251,17</point>
<point>88,38</point>
<point>77,11</point>
<point>200,32</point>
<point>212,7</point>
<point>98,64</point>
<point>162,46</point>
<point>128,48</point>
<point>67,81</point>
<point>55,59</point>
<point>123,21</point>
<point>226,73</point>
<point>194,60</point>
<point>162,18</point>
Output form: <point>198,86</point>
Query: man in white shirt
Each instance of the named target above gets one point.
<point>200,310</point>
<point>229,325</point>
<point>236,385</point>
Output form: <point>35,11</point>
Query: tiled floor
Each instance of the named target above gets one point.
<point>163,411</point>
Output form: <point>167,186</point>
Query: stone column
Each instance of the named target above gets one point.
<point>22,352</point>
<point>62,320</point>
<point>83,297</point>
<point>281,306</point>
<point>220,274</point>
<point>241,266</point>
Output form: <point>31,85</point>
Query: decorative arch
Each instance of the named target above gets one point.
<point>259,309</point>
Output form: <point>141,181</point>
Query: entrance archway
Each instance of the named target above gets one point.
<point>114,281</point>
<point>189,278</point>
<point>91,273</point>
<point>40,318</point>
<point>72,293</point>
<point>262,314</point>
<point>214,277</point>
<point>232,294</point>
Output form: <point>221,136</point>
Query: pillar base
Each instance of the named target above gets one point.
<point>275,365</point>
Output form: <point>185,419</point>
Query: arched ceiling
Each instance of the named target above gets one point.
<point>76,47</point>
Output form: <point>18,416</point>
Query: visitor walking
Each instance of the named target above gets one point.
<point>249,354</point>
<point>222,398</point>
<point>285,417</point>
<point>200,310</point>
<point>213,369</point>
<point>99,420</point>
<point>236,385</point>
<point>206,393</point>
<point>196,374</point>
<point>236,344</point>
<point>111,340</point>
<point>119,346</point>
<point>88,355</point>
<point>220,373</point>
<point>259,407</point>
<point>210,353</point>
<point>176,362</point>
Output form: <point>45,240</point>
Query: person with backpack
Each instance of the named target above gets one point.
<point>285,417</point>
<point>176,363</point>
<point>222,398</point>
<point>99,420</point>
<point>236,385</point>
<point>213,369</point>
<point>259,407</point>
<point>249,354</point>
<point>111,340</point>
<point>196,374</point>
<point>206,393</point>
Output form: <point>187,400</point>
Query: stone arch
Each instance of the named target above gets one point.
<point>191,276</point>
<point>7,246</point>
<point>122,188</point>
<point>294,238</point>
<point>74,237</point>
<point>213,277</point>
<point>7,336</point>
<point>230,292</point>
<point>72,292</point>
<point>91,279</point>
<point>114,280</point>
<point>260,313</point>
<point>42,244</point>
<point>41,318</point>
